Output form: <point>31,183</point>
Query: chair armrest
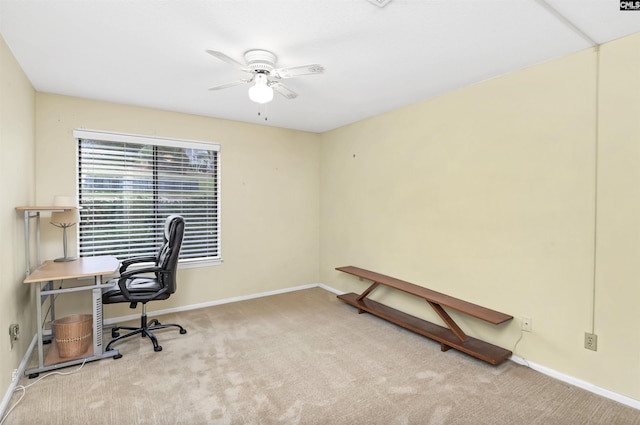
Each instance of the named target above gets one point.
<point>129,273</point>
<point>122,282</point>
<point>135,260</point>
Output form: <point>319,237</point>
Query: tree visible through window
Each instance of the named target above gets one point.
<point>129,184</point>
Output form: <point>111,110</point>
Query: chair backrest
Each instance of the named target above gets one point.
<point>168,255</point>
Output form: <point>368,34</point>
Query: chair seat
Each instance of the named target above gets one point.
<point>137,286</point>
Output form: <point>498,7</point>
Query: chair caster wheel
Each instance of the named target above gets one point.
<point>183,331</point>
<point>158,348</point>
<point>117,356</point>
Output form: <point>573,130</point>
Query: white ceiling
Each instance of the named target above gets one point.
<point>151,53</point>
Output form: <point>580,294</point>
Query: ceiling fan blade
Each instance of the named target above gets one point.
<point>231,84</point>
<point>283,90</point>
<point>227,59</point>
<point>296,71</point>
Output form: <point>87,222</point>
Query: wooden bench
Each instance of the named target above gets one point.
<point>451,337</point>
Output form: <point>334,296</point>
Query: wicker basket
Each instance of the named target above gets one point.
<point>73,334</point>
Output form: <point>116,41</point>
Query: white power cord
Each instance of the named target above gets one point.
<point>23,388</point>
<point>514,350</point>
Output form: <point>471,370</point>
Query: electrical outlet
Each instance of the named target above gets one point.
<point>590,341</point>
<point>14,333</point>
<point>14,375</point>
<point>527,324</point>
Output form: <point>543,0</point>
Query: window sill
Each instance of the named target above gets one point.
<point>193,264</point>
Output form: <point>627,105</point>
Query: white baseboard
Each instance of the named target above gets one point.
<point>220,302</point>
<point>628,401</point>
<point>14,384</point>
<point>329,288</point>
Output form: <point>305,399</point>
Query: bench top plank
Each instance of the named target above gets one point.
<point>473,310</point>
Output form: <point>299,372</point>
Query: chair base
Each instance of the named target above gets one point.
<point>144,330</point>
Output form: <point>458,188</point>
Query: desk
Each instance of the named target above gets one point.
<point>44,276</point>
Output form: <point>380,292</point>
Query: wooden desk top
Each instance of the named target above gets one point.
<point>82,267</point>
<point>45,208</point>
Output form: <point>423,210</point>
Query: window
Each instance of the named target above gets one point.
<point>128,185</point>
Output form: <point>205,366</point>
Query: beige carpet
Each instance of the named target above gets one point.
<point>304,358</point>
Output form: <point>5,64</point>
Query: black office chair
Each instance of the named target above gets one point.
<point>141,285</point>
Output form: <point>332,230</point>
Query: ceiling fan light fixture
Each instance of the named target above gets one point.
<point>260,92</point>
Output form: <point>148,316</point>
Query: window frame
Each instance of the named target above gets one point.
<point>106,136</point>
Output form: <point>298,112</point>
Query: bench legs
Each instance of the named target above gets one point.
<point>449,321</point>
<point>459,333</point>
<point>365,293</point>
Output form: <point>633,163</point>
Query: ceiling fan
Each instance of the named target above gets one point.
<point>261,65</point>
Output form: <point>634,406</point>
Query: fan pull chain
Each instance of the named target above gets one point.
<point>265,112</point>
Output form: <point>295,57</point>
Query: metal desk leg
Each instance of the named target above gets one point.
<point>98,324</point>
<point>52,304</point>
<point>96,295</point>
<point>38,260</point>
<point>27,248</point>
<point>39,326</point>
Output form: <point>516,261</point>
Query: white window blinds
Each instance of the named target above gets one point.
<point>129,184</point>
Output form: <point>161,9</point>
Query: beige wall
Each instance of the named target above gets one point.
<point>617,316</point>
<point>17,151</point>
<point>270,206</point>
<point>488,194</point>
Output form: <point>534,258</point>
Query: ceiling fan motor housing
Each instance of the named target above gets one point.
<point>261,61</point>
